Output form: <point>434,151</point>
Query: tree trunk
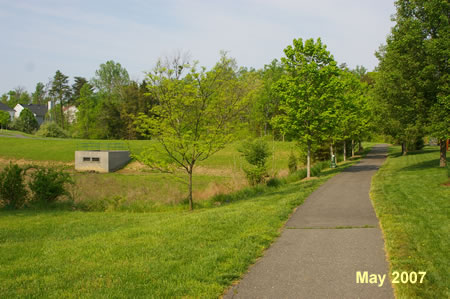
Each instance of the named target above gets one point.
<point>443,154</point>
<point>345,151</point>
<point>191,205</point>
<point>360,147</point>
<point>331,150</point>
<point>308,161</point>
<point>404,148</point>
<point>353,148</point>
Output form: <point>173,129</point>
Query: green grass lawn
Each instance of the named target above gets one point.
<point>169,254</point>
<point>414,211</point>
<point>63,150</point>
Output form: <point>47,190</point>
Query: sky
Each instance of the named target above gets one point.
<point>39,37</point>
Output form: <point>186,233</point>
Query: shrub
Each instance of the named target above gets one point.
<point>48,184</point>
<point>256,154</point>
<point>51,129</point>
<point>12,187</point>
<point>274,182</point>
<point>255,175</point>
<point>292,163</point>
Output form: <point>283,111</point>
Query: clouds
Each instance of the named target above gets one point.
<point>77,36</point>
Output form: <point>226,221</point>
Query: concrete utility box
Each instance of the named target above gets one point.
<point>101,160</point>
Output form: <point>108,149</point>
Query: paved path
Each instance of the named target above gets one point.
<point>329,238</point>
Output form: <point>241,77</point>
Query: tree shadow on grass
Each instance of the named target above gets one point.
<point>413,153</point>
<point>424,165</point>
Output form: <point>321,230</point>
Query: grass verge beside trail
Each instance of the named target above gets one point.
<point>171,254</point>
<point>413,208</point>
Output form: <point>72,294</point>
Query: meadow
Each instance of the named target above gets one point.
<point>136,183</point>
<point>411,197</point>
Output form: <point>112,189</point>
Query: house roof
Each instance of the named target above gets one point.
<point>38,110</point>
<point>5,107</point>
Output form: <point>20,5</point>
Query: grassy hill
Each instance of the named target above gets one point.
<point>137,187</point>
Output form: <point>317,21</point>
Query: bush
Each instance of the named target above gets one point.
<point>292,163</point>
<point>255,175</point>
<point>12,187</point>
<point>48,184</point>
<point>256,154</point>
<point>274,182</point>
<point>51,129</point>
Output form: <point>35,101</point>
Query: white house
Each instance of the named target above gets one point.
<point>71,113</point>
<point>38,111</point>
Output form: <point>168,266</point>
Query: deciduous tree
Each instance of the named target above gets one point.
<point>197,112</point>
<point>307,91</point>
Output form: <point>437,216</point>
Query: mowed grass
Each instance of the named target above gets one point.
<point>153,255</point>
<point>63,150</point>
<point>413,206</point>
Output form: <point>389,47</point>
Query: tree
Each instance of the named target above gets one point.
<point>4,119</point>
<point>256,153</point>
<point>76,88</point>
<point>197,112</point>
<point>267,104</point>
<point>440,125</point>
<point>412,84</point>
<point>27,122</point>
<point>136,99</point>
<point>60,91</point>
<point>110,78</point>
<point>351,106</point>
<point>88,114</point>
<point>307,90</point>
<point>38,96</point>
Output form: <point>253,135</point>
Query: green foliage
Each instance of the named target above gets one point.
<point>12,187</point>
<point>110,78</point>
<point>255,174</point>
<point>51,129</point>
<point>440,118</point>
<point>292,163</point>
<point>307,90</point>
<point>266,105</point>
<point>197,114</point>
<point>47,184</point>
<point>26,122</point>
<point>274,182</point>
<point>76,88</point>
<point>412,84</point>
<point>4,119</point>
<point>60,92</point>
<point>88,115</point>
<point>38,96</point>
<point>255,153</point>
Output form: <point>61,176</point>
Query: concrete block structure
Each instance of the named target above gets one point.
<point>101,160</point>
